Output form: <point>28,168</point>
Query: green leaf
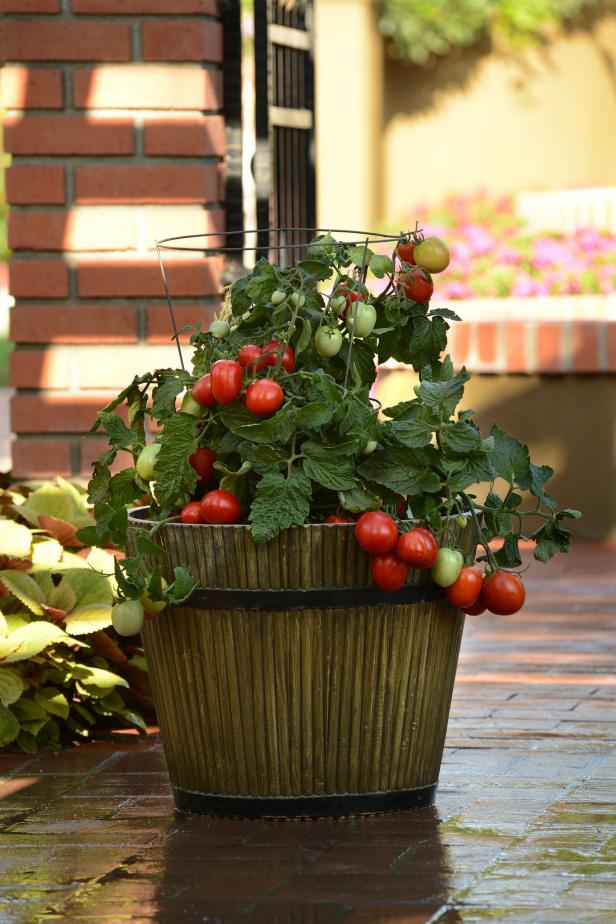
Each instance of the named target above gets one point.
<point>402,470</point>
<point>15,539</point>
<point>442,397</point>
<point>279,503</point>
<point>175,477</point>
<point>98,677</point>
<point>275,429</point>
<point>315,268</point>
<point>428,340</point>
<point>164,395</point>
<point>25,589</point>
<point>46,553</point>
<point>181,588</point>
<point>336,474</point>
<point>30,640</point>
<point>550,538</point>
<point>461,437</point>
<point>509,555</point>
<point>510,458</point>
<point>120,437</point>
<point>359,500</point>
<point>11,685</point>
<point>381,265</point>
<point>410,427</point>
<point>313,416</point>
<point>264,458</point>
<point>304,338</point>
<point>52,701</point>
<point>9,726</point>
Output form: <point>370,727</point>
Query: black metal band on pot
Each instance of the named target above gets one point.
<point>208,598</point>
<point>369,803</point>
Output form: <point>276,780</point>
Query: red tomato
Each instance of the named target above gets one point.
<point>274,348</point>
<point>201,392</point>
<point>335,518</point>
<point>432,546</point>
<point>263,397</point>
<point>202,460</point>
<point>376,532</point>
<point>503,593</point>
<point>466,588</point>
<point>226,376</point>
<point>220,507</point>
<point>388,571</point>
<point>416,284</point>
<point>475,609</point>
<point>412,548</point>
<point>351,295</point>
<point>249,355</point>
<point>405,251</point>
<point>191,513</point>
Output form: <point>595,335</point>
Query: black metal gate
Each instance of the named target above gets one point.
<point>284,118</point>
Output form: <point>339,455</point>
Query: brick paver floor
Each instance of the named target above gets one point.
<point>523,830</point>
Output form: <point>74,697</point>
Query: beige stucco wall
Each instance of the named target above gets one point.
<point>391,136</point>
<point>568,421</point>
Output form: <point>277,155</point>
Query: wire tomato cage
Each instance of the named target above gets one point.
<point>288,243</point>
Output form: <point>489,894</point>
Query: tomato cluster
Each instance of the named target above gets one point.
<point>392,554</point>
<point>419,257</point>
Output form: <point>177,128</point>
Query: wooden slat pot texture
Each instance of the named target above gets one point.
<point>328,701</point>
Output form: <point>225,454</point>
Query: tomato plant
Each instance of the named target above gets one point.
<point>263,397</point>
<point>376,532</point>
<point>226,377</point>
<point>127,617</point>
<point>328,341</point>
<point>202,392</point>
<point>191,513</point>
<point>249,356</point>
<point>406,250</point>
<point>388,571</point>
<point>147,460</point>
<point>202,460</point>
<point>503,593</point>
<point>309,442</point>
<point>220,507</point>
<point>432,254</point>
<point>416,284</point>
<point>466,588</point>
<point>447,567</point>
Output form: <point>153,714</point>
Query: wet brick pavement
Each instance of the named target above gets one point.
<point>523,830</point>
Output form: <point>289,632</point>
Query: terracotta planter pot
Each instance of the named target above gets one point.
<point>281,701</point>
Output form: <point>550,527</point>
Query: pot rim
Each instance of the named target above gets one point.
<point>138,515</point>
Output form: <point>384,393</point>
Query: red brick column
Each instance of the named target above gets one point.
<point>115,128</point>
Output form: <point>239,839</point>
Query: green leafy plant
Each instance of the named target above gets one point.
<point>324,449</point>
<point>61,673</point>
<point>419,31</point>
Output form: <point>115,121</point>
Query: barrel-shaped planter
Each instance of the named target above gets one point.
<point>288,685</point>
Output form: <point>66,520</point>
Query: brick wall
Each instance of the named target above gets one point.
<point>116,133</point>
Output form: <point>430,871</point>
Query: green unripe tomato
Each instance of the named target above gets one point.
<point>146,461</point>
<point>297,300</point>
<point>190,406</point>
<point>327,341</point>
<point>127,617</point>
<point>461,522</point>
<point>220,329</point>
<point>365,321</point>
<point>337,304</point>
<point>278,297</point>
<point>447,567</point>
<point>153,606</point>
<point>369,448</point>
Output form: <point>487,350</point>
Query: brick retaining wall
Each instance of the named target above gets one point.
<point>117,137</point>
